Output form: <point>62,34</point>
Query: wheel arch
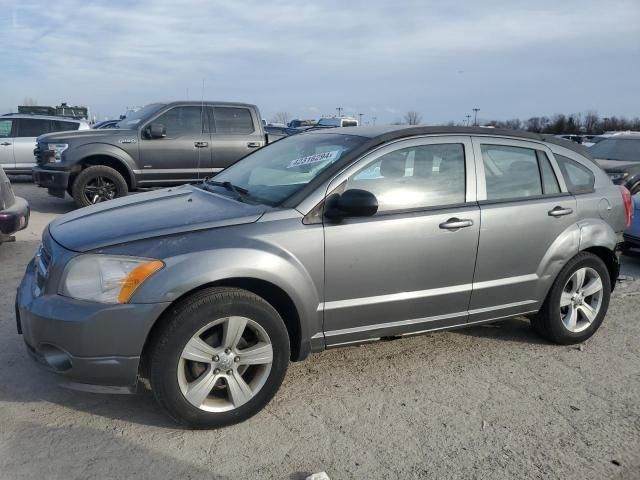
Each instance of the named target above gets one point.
<point>277,297</point>
<point>108,156</point>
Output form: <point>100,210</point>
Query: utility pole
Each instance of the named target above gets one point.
<point>475,116</point>
<point>339,109</point>
<point>360,115</point>
<point>468,120</point>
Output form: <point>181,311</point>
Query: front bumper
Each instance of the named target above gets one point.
<point>94,347</point>
<point>56,181</point>
<point>14,218</point>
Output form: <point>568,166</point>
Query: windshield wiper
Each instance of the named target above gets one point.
<point>239,191</point>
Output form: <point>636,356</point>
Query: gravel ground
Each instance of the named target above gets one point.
<point>485,402</point>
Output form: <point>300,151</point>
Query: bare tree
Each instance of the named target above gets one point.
<point>29,101</point>
<point>591,121</point>
<point>281,117</point>
<point>412,118</point>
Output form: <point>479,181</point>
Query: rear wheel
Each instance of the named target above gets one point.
<point>98,184</point>
<point>219,359</point>
<point>577,302</point>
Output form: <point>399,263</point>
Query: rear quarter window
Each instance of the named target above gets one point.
<point>579,179</point>
<point>62,126</point>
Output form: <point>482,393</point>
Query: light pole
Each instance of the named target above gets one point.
<point>339,109</point>
<point>360,115</point>
<point>374,119</point>
<point>475,116</point>
<point>468,120</point>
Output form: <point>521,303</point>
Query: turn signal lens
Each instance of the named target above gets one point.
<point>136,278</point>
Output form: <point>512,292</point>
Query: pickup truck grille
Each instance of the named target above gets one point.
<point>38,153</point>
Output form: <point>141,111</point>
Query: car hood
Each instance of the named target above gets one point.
<point>616,165</point>
<point>149,215</point>
<point>89,135</point>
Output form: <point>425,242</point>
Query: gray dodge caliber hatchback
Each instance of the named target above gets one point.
<point>322,239</point>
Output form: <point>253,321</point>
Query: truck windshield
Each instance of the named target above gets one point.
<point>277,171</point>
<point>133,119</point>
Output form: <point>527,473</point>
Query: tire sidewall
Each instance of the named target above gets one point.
<point>166,356</point>
<point>558,329</point>
<point>88,174</point>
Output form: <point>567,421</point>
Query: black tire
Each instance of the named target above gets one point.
<point>100,177</point>
<point>548,322</point>
<point>182,323</point>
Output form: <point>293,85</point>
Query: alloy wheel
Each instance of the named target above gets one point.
<point>225,364</point>
<point>100,189</point>
<point>581,299</point>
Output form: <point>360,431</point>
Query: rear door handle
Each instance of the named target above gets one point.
<point>560,211</point>
<point>456,223</point>
<point>5,144</point>
<point>253,144</point>
<point>201,144</point>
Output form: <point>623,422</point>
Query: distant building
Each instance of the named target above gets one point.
<point>63,110</point>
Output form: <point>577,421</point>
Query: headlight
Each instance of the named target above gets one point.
<point>57,149</point>
<point>616,177</point>
<point>106,279</point>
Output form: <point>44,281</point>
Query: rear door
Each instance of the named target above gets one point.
<point>184,154</point>
<point>29,129</point>
<point>7,129</point>
<point>524,209</point>
<point>235,134</point>
<point>410,266</point>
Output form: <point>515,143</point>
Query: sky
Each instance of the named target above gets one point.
<point>380,58</point>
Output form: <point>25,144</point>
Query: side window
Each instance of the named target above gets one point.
<point>549,181</point>
<point>5,127</point>
<point>62,126</point>
<point>579,178</point>
<point>32,127</point>
<point>180,121</point>
<point>415,177</point>
<point>510,172</point>
<point>230,120</point>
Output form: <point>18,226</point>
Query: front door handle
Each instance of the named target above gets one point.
<point>560,211</point>
<point>201,144</point>
<point>456,223</point>
<point>253,144</point>
<point>5,144</point>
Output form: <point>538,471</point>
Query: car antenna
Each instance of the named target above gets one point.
<point>201,128</point>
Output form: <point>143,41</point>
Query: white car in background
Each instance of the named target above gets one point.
<point>338,122</point>
<point>18,134</point>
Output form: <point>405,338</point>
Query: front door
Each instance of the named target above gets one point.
<point>7,126</point>
<point>184,154</point>
<point>410,267</point>
<point>524,209</point>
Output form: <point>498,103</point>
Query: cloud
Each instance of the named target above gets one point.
<point>286,54</point>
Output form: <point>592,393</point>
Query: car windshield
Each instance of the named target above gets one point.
<point>277,171</point>
<point>621,149</point>
<point>133,119</point>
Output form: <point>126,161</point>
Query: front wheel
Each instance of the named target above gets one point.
<point>577,302</point>
<point>219,358</point>
<point>98,184</point>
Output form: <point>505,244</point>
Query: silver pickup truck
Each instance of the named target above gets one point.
<point>162,144</point>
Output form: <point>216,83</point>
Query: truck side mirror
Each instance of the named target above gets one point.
<point>156,130</point>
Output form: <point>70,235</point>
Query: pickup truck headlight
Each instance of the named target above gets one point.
<point>617,177</point>
<point>57,149</point>
<point>106,279</point>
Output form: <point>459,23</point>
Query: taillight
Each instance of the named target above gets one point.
<point>628,204</point>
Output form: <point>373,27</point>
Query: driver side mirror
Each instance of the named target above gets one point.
<point>156,130</point>
<point>352,203</point>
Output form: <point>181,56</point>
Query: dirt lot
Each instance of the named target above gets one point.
<point>486,402</point>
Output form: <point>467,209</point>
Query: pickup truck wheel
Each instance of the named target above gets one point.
<point>98,184</point>
<point>219,358</point>
<point>577,302</point>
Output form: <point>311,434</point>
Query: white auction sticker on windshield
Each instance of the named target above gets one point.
<point>318,157</point>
